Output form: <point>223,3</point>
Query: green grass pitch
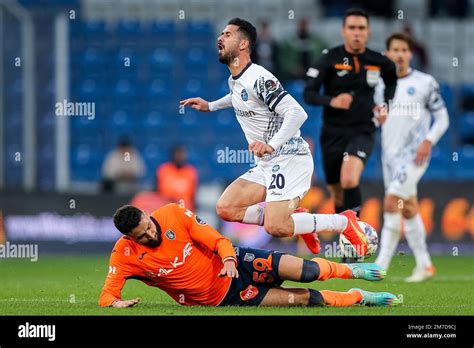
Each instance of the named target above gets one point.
<point>70,285</point>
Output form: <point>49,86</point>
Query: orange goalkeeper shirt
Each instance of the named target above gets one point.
<point>185,265</point>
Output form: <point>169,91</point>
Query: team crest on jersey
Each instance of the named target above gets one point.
<point>373,77</point>
<point>275,168</point>
<point>249,293</point>
<point>170,235</point>
<point>271,85</point>
<point>249,257</point>
<point>244,95</point>
<point>199,220</point>
<point>411,90</point>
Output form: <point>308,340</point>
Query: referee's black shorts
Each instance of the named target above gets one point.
<point>337,143</point>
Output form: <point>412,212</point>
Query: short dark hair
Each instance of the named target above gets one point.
<point>126,218</point>
<point>399,36</point>
<point>355,12</point>
<point>247,29</point>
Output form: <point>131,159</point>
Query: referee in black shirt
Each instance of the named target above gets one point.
<point>349,74</point>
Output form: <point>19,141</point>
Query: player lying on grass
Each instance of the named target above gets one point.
<point>270,119</point>
<point>176,251</point>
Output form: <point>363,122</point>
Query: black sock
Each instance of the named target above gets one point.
<point>353,199</point>
<point>315,298</point>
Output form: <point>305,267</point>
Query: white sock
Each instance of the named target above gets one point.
<point>389,239</point>
<point>415,234</point>
<point>254,215</point>
<point>309,223</point>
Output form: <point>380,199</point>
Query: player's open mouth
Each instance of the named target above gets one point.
<point>220,47</point>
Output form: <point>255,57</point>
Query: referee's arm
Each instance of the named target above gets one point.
<point>315,77</point>
<point>389,76</point>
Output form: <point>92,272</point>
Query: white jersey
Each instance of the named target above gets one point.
<point>408,123</point>
<point>257,96</point>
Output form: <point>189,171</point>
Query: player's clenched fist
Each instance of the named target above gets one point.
<point>126,303</point>
<point>259,149</point>
<point>229,270</point>
<point>196,103</point>
<point>341,101</point>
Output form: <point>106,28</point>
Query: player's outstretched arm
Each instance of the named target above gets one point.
<point>198,104</point>
<point>205,106</point>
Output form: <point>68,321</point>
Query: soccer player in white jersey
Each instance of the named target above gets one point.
<point>407,139</point>
<point>271,121</point>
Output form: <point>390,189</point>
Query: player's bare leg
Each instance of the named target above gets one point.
<point>351,171</point>
<point>278,221</point>
<point>239,202</point>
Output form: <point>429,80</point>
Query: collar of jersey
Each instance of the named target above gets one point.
<point>410,71</point>
<point>243,70</point>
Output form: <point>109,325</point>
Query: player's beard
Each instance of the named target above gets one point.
<point>155,242</point>
<point>228,58</point>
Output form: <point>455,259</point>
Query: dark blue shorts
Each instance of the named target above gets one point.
<point>258,273</point>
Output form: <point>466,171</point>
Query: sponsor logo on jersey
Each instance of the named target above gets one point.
<point>249,293</point>
<point>175,263</point>
<point>361,154</point>
<point>170,235</point>
<point>243,113</point>
<point>273,193</point>
<point>249,257</point>
<point>244,95</point>
<point>372,77</point>
<point>275,168</point>
<point>411,90</point>
<point>199,220</point>
<point>342,73</point>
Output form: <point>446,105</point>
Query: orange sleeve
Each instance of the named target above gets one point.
<point>206,235</point>
<point>115,280</point>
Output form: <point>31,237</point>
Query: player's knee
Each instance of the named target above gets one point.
<point>409,211</point>
<point>225,211</point>
<point>349,181</point>
<point>277,229</point>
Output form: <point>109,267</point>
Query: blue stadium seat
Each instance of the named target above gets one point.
<point>94,30</point>
<point>163,32</point>
<point>466,127</point>
<point>162,61</point>
<point>200,32</point>
<point>440,164</point>
<point>197,61</point>
<point>126,29</point>
<point>463,168</point>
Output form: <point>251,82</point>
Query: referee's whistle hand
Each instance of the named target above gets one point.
<point>341,101</point>
<point>196,103</point>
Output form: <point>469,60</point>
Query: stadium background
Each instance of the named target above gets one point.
<point>53,50</point>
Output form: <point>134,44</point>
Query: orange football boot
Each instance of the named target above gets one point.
<point>354,233</point>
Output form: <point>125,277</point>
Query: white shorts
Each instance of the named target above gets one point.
<point>285,176</point>
<point>401,177</point>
